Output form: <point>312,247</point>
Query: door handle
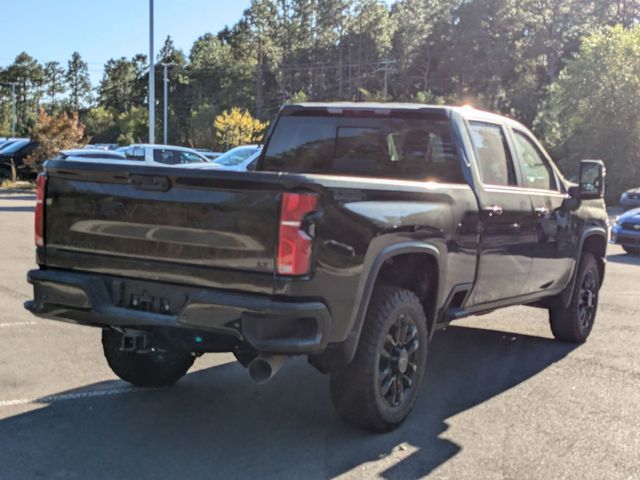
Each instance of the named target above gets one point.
<point>494,210</point>
<point>542,211</point>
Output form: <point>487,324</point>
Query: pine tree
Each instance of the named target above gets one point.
<point>53,81</point>
<point>77,77</point>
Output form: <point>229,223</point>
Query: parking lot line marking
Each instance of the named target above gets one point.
<point>73,396</point>
<point>16,324</point>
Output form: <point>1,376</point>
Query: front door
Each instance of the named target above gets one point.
<point>507,221</point>
<point>554,250</point>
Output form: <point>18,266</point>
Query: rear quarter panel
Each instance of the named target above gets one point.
<point>364,217</point>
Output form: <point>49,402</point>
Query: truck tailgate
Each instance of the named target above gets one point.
<point>210,219</point>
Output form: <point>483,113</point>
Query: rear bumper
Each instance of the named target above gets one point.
<point>266,324</point>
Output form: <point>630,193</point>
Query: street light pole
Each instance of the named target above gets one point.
<point>164,104</point>
<point>152,79</point>
<point>13,109</point>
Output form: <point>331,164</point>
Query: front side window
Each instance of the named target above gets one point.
<point>537,171</point>
<point>400,146</point>
<point>168,157</point>
<point>492,153</point>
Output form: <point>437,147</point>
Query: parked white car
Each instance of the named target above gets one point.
<point>166,155</point>
<point>147,154</point>
<point>239,159</point>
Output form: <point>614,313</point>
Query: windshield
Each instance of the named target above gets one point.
<point>235,156</point>
<point>14,147</point>
<point>389,147</point>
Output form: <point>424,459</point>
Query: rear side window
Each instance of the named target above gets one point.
<point>387,147</point>
<point>537,171</point>
<point>492,152</point>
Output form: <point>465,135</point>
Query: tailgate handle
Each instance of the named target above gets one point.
<point>150,182</point>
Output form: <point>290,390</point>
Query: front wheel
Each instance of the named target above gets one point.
<point>162,365</point>
<point>574,322</point>
<point>378,389</point>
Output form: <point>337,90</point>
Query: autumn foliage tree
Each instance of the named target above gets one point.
<point>53,134</point>
<point>237,127</point>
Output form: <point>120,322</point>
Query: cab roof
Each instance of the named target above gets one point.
<point>338,108</point>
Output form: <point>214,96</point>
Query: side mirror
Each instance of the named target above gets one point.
<point>591,180</point>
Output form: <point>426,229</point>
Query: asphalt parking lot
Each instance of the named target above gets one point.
<point>502,400</point>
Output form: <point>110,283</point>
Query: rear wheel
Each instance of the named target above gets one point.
<point>631,250</point>
<point>159,365</point>
<point>378,389</point>
<point>574,322</point>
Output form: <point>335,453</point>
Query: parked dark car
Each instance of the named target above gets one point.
<point>626,231</point>
<point>16,152</point>
<point>364,229</point>
<point>10,141</point>
<point>630,199</point>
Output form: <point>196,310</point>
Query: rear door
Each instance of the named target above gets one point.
<point>507,222</point>
<point>554,249</point>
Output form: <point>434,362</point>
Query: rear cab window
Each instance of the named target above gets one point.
<point>494,160</point>
<point>402,146</point>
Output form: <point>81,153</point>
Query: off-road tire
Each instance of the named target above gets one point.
<point>569,323</point>
<point>159,368</point>
<point>357,389</point>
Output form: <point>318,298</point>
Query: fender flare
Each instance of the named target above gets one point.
<point>567,293</point>
<point>366,290</point>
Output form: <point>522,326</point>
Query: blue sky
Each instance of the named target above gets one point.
<point>53,29</point>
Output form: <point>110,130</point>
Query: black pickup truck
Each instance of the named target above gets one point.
<point>366,228</point>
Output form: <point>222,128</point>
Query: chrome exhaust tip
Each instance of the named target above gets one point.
<point>264,367</point>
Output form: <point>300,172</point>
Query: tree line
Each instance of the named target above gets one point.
<point>510,56</point>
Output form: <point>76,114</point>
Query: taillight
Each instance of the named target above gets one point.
<point>41,186</point>
<point>294,244</point>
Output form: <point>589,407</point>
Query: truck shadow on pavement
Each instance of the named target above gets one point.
<point>216,424</point>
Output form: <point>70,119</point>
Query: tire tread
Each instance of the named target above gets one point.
<point>352,389</point>
<point>564,320</point>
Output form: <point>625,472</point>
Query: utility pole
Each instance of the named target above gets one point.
<point>152,79</point>
<point>13,106</point>
<point>166,100</point>
<point>385,68</point>
<point>13,109</point>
